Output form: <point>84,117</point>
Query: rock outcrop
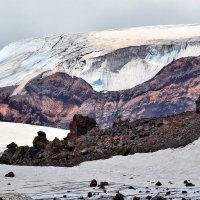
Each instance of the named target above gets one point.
<point>53,100</point>
<point>80,125</point>
<point>40,141</point>
<point>125,137</point>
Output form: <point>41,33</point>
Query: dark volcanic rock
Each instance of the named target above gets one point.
<point>10,175</point>
<point>12,146</point>
<point>188,184</point>
<point>119,196</point>
<point>54,100</point>
<point>89,194</point>
<point>93,183</point>
<point>158,183</point>
<point>40,141</point>
<point>80,125</point>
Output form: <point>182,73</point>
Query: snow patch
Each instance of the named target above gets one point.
<point>23,134</point>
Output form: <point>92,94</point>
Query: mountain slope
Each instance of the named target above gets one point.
<point>53,100</point>
<point>103,59</point>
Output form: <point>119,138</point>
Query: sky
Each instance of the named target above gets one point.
<point>20,19</point>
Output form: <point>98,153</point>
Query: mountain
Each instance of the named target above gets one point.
<point>103,59</point>
<point>55,99</point>
<point>132,74</point>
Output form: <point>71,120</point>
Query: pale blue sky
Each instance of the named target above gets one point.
<point>20,19</point>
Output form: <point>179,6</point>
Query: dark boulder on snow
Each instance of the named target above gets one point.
<point>93,183</point>
<point>89,194</point>
<point>188,183</point>
<point>119,196</point>
<point>158,183</point>
<point>10,174</point>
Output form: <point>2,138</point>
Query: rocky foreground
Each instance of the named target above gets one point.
<point>87,142</point>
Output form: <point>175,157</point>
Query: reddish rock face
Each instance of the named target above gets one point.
<point>54,100</point>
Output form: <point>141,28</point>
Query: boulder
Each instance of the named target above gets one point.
<point>119,196</point>
<point>89,194</point>
<point>93,183</point>
<point>10,174</point>
<point>188,184</point>
<point>40,141</point>
<point>80,125</point>
<point>158,183</point>
<point>7,156</point>
<point>12,146</point>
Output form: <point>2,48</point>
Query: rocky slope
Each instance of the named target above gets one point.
<point>87,142</point>
<point>103,59</point>
<point>55,99</point>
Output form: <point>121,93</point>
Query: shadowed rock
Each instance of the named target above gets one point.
<point>80,125</point>
<point>40,141</point>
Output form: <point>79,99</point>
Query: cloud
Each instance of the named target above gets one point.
<point>20,19</point>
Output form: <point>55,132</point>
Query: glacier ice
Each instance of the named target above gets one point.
<point>108,60</point>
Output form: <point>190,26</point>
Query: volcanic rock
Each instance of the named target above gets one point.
<point>119,196</point>
<point>188,183</point>
<point>10,174</point>
<point>93,183</point>
<point>40,141</point>
<point>12,146</point>
<point>158,183</point>
<point>89,194</point>
<point>80,125</point>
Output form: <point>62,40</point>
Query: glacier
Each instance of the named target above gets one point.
<point>109,60</point>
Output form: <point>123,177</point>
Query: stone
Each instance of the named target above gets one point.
<point>12,146</point>
<point>149,197</point>
<point>103,184</point>
<point>41,134</point>
<point>89,194</point>
<point>10,174</point>
<point>188,184</point>
<point>80,125</point>
<point>93,183</point>
<point>119,196</point>
<point>158,183</point>
<point>40,141</point>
